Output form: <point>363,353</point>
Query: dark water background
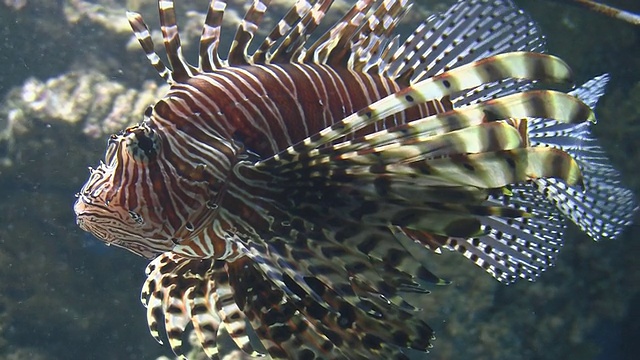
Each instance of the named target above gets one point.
<point>65,296</point>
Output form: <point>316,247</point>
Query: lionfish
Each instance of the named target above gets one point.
<point>290,195</point>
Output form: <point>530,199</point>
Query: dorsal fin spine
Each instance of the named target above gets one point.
<point>288,21</point>
<point>238,53</point>
<point>210,38</point>
<point>182,70</point>
<point>141,31</point>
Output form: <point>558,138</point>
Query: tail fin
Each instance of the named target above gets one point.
<point>605,207</point>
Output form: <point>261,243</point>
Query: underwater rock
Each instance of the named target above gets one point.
<point>106,15</point>
<point>15,4</point>
<point>88,101</point>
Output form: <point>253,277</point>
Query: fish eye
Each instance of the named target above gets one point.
<point>148,111</point>
<point>145,143</point>
<point>142,142</point>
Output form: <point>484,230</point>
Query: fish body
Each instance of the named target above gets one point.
<point>293,193</point>
<point>259,92</point>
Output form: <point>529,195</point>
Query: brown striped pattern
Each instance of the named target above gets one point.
<point>250,111</point>
<point>192,157</point>
<point>291,192</point>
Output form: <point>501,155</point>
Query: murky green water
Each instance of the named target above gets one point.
<point>63,295</point>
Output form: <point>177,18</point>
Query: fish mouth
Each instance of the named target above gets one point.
<point>79,208</point>
<point>82,215</point>
<point>83,211</point>
<point>95,218</point>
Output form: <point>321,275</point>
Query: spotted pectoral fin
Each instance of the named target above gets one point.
<point>168,302</point>
<point>470,129</point>
<point>445,224</point>
<point>484,170</point>
<point>472,140</point>
<point>183,291</point>
<point>338,279</point>
<point>494,169</point>
<point>281,327</point>
<point>232,317</point>
<point>454,219</point>
<point>511,65</point>
<point>546,104</point>
<point>534,104</point>
<point>412,238</point>
<point>507,247</point>
<point>206,323</point>
<point>152,297</point>
<point>402,190</point>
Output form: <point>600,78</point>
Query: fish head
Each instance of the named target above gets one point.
<point>156,188</point>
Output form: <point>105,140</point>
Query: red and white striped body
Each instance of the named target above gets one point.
<point>294,192</point>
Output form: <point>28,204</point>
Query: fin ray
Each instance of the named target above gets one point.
<point>142,34</point>
<point>238,53</point>
<point>209,59</point>
<point>181,69</point>
<point>517,65</point>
